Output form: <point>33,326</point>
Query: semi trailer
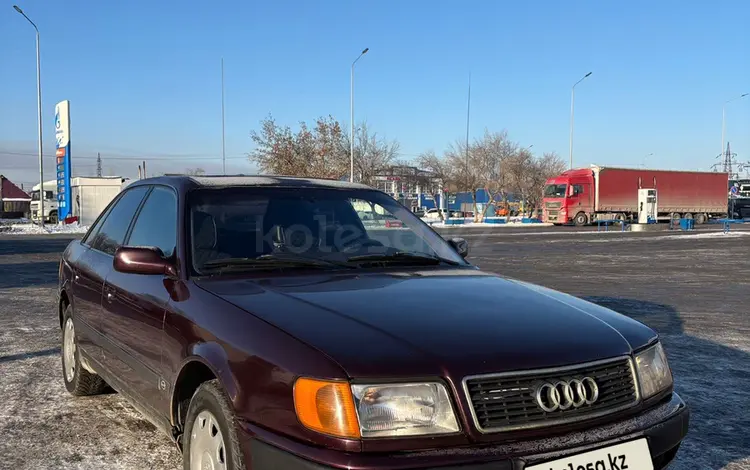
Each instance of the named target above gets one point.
<point>583,196</point>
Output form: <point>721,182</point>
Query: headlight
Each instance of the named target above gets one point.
<point>653,371</point>
<point>404,409</point>
<point>353,411</point>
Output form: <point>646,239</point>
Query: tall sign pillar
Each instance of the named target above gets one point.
<point>62,159</point>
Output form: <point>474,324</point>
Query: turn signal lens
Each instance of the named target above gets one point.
<point>326,407</point>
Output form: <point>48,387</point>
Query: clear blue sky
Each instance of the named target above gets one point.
<point>143,77</point>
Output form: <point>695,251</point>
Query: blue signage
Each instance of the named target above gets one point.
<point>62,159</point>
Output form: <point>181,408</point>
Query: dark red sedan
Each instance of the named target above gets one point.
<point>261,324</point>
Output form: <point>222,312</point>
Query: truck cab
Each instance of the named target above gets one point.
<point>569,198</point>
<point>50,202</point>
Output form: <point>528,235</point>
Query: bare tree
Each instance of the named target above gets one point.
<point>547,166</point>
<point>372,154</point>
<point>313,152</point>
<point>320,150</point>
<point>466,173</point>
<point>195,171</point>
<point>439,170</point>
<point>493,154</point>
<point>529,174</point>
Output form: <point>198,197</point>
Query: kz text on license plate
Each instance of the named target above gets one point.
<point>632,455</point>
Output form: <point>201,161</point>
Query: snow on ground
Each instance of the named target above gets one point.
<point>33,229</point>
<point>471,224</point>
<point>683,236</point>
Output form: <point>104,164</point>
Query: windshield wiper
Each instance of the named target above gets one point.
<point>402,257</point>
<point>273,260</point>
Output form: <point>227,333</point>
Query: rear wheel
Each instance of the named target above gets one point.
<point>701,219</point>
<point>210,439</point>
<point>78,381</point>
<point>581,219</point>
<point>674,219</point>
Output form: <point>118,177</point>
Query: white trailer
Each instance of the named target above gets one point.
<point>90,195</point>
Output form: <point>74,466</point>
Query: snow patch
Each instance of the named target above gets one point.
<point>686,236</point>
<point>33,229</point>
<point>485,225</point>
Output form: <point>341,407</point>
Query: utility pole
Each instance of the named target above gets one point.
<point>98,165</point>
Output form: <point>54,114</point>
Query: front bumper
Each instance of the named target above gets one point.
<point>664,426</point>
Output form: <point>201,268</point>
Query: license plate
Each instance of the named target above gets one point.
<point>632,455</point>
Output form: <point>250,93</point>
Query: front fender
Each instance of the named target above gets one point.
<point>214,357</point>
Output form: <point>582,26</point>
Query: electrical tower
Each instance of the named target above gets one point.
<point>98,165</point>
<point>730,165</point>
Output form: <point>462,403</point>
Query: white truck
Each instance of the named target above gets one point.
<point>50,202</point>
<point>88,197</point>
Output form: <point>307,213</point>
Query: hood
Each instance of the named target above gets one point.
<point>435,323</point>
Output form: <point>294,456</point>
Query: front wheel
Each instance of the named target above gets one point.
<point>581,219</point>
<point>700,219</point>
<point>53,217</point>
<point>210,439</point>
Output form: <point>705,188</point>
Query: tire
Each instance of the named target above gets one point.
<point>700,219</point>
<point>78,381</point>
<point>210,426</point>
<point>621,217</point>
<point>674,219</point>
<point>687,215</point>
<point>581,219</point>
<point>53,217</point>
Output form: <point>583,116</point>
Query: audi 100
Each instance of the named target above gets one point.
<point>286,323</point>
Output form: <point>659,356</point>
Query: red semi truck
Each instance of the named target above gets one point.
<point>586,195</point>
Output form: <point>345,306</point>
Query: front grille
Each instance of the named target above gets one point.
<point>504,402</point>
<point>553,205</point>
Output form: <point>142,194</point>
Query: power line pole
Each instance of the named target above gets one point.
<point>98,165</point>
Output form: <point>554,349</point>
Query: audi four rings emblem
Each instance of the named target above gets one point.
<point>564,394</point>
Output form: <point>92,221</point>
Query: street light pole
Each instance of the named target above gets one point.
<point>223,147</point>
<point>39,117</point>
<point>351,116</point>
<point>572,113</point>
<point>724,118</point>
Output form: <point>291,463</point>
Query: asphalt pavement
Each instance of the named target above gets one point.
<point>693,288</point>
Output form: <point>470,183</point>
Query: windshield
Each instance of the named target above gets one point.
<point>47,195</point>
<point>332,225</point>
<point>555,190</point>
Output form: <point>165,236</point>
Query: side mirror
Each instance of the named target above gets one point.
<point>142,260</point>
<point>460,245</point>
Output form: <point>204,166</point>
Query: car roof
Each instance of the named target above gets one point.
<point>228,181</point>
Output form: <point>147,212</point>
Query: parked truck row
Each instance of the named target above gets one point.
<point>583,196</point>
